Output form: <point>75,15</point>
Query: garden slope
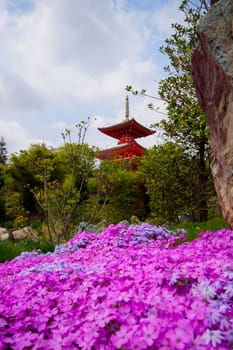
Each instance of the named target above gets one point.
<point>127,288</point>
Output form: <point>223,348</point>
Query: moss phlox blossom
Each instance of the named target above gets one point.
<point>141,287</point>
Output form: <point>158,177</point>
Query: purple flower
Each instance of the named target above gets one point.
<point>174,278</point>
<point>129,288</point>
<point>213,337</point>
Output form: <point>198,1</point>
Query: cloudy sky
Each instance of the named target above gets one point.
<point>62,61</point>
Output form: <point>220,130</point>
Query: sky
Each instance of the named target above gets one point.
<point>64,61</point>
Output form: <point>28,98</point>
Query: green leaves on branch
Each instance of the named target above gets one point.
<point>185,126</point>
<point>54,181</point>
<point>124,190</point>
<point>171,177</point>
<point>186,123</point>
<point>3,151</point>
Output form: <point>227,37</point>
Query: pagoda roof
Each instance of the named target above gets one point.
<point>131,126</point>
<point>132,148</point>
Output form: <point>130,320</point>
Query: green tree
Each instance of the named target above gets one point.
<point>185,124</point>
<point>60,199</point>
<point>25,169</point>
<point>3,151</point>
<point>123,191</point>
<point>2,199</point>
<point>171,175</point>
<point>22,178</point>
<point>53,182</point>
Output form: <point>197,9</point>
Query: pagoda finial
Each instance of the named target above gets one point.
<point>126,109</point>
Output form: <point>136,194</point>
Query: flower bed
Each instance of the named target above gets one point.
<point>140,287</point>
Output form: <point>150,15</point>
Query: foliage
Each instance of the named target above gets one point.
<point>14,209</point>
<point>185,123</point>
<point>51,183</point>
<point>11,200</point>
<point>3,151</point>
<point>64,186</point>
<point>171,181</point>
<point>2,200</point>
<point>59,198</point>
<point>26,169</point>
<point>125,288</point>
<point>21,177</point>
<point>124,191</point>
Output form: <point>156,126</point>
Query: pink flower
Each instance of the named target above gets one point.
<point>116,294</point>
<point>122,337</point>
<point>179,337</point>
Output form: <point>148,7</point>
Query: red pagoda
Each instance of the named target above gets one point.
<point>126,133</point>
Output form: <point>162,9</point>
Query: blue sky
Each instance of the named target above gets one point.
<point>64,61</point>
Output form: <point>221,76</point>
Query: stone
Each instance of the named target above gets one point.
<point>4,237</point>
<point>22,233</point>
<point>3,231</point>
<point>135,220</point>
<point>101,226</point>
<point>124,222</point>
<point>212,66</point>
<point>84,226</point>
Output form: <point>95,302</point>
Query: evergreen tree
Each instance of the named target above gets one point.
<point>3,151</point>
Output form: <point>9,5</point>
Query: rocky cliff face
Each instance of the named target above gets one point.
<point>212,64</point>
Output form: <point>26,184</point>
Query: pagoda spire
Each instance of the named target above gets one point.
<point>127,109</point>
<point>126,133</point>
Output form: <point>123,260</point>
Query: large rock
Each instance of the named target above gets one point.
<point>4,237</point>
<point>212,64</point>
<point>22,233</point>
<point>3,230</point>
<point>4,234</point>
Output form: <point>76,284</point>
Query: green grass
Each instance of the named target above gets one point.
<point>10,249</point>
<point>194,228</point>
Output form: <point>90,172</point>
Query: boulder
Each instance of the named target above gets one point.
<point>124,222</point>
<point>101,226</point>
<point>22,233</point>
<point>84,226</point>
<point>135,220</point>
<point>5,237</point>
<point>4,234</point>
<point>3,231</point>
<point>212,65</point>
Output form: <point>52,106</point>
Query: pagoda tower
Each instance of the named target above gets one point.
<point>126,133</point>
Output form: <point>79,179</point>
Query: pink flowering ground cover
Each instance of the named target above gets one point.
<point>141,287</point>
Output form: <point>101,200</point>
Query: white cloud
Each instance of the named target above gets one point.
<point>167,14</point>
<point>60,126</point>
<point>16,137</point>
<point>92,35</point>
<point>72,49</point>
<point>66,58</point>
